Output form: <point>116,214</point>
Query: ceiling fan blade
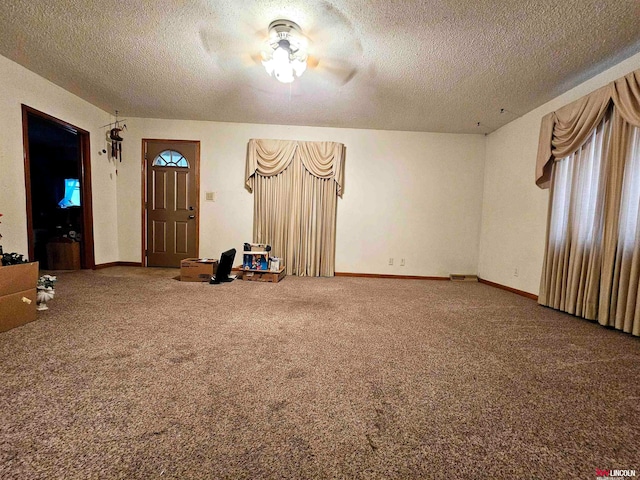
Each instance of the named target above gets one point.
<point>229,53</point>
<point>231,41</point>
<point>337,72</point>
<point>312,62</point>
<point>345,77</point>
<point>207,40</point>
<point>336,52</point>
<point>256,58</point>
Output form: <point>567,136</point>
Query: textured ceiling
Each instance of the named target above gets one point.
<point>430,65</point>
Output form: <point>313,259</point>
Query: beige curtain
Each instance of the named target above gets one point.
<point>589,155</point>
<point>295,186</point>
<point>619,303</point>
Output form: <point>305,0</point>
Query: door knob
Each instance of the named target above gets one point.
<point>191,217</point>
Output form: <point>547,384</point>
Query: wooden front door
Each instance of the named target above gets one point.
<point>171,201</point>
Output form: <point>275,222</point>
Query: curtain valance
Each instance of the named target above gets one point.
<point>564,131</point>
<point>271,157</point>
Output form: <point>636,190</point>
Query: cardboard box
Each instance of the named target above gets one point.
<point>17,309</point>
<point>254,276</point>
<point>197,269</point>
<point>255,260</point>
<point>17,295</point>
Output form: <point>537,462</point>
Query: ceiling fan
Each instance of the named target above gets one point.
<point>285,52</point>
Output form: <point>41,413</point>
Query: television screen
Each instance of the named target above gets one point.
<point>71,193</point>
<point>224,267</point>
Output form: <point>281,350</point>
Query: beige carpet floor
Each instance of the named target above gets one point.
<point>134,375</point>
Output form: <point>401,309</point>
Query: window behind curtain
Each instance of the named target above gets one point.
<point>630,202</point>
<point>576,226</point>
<point>623,308</point>
<point>576,188</point>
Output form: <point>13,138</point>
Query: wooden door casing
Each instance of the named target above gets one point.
<point>87,253</point>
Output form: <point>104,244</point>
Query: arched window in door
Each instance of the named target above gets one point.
<point>170,158</point>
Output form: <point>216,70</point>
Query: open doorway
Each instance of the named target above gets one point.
<point>58,191</point>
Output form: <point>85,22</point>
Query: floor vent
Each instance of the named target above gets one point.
<point>456,277</point>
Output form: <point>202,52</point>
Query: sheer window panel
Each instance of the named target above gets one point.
<point>575,227</point>
<point>624,309</point>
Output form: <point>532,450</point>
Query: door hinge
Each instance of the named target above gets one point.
<point>146,253</point>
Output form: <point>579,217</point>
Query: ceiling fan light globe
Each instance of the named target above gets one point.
<point>299,67</point>
<point>268,66</point>
<point>281,56</point>
<point>284,74</point>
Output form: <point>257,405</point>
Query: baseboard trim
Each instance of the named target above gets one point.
<point>522,293</point>
<point>383,275</point>
<point>118,264</point>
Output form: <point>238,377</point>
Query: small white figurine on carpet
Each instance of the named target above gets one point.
<point>45,291</point>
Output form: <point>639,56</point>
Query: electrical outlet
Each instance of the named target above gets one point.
<point>391,261</point>
<point>402,262</point>
<point>515,272</point>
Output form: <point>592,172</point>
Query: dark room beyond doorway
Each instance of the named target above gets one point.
<point>56,194</point>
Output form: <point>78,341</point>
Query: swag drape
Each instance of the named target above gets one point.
<point>564,131</point>
<point>295,186</point>
<point>589,155</point>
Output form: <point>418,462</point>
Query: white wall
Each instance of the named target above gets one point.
<point>20,86</point>
<point>514,211</point>
<point>432,199</point>
<point>407,195</point>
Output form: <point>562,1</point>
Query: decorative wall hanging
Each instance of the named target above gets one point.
<point>114,137</point>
